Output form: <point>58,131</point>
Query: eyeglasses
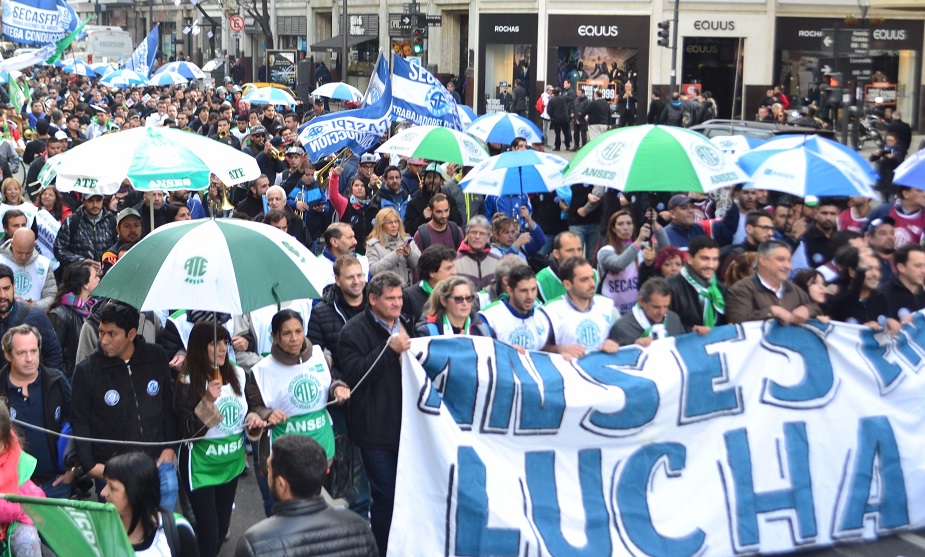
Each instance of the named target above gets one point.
<point>763,226</point>
<point>260,135</point>
<point>463,299</point>
<point>390,222</point>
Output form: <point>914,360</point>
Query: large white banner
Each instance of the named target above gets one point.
<point>753,438</point>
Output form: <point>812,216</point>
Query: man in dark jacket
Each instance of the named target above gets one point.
<point>375,408</point>
<point>656,107</point>
<point>768,294</point>
<point>124,391</point>
<point>13,313</point>
<point>87,233</point>
<point>674,113</point>
<point>253,204</point>
<point>436,263</point>
<point>558,116</point>
<point>519,104</point>
<point>580,125</point>
<point>902,130</point>
<point>597,115</point>
<point>303,524</point>
<point>696,286</point>
<point>40,396</point>
<point>342,301</point>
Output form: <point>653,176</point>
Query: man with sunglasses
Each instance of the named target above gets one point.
<point>257,143</point>
<point>581,318</point>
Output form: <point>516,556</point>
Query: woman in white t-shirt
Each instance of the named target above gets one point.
<point>133,487</point>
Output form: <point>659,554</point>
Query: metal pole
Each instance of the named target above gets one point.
<point>343,62</point>
<point>674,50</point>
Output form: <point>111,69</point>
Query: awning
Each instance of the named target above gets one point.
<point>907,5</point>
<point>335,44</point>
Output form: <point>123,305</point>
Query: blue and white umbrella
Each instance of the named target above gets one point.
<point>79,67</point>
<point>123,78</point>
<point>515,173</point>
<point>804,165</point>
<point>269,95</point>
<point>165,79</point>
<point>338,90</point>
<point>102,68</point>
<point>736,145</point>
<point>186,69</point>
<point>912,171</point>
<point>466,116</point>
<point>504,127</point>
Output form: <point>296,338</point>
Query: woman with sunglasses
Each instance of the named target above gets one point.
<point>449,312</point>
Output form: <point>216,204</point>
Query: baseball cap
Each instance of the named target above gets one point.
<point>416,161</point>
<point>874,224</point>
<point>276,141</point>
<point>125,213</point>
<point>678,200</point>
<point>369,158</point>
<point>435,168</point>
<point>258,129</point>
<point>60,135</point>
<point>295,150</point>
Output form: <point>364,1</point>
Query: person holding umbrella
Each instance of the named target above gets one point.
<point>209,401</point>
<point>289,390</point>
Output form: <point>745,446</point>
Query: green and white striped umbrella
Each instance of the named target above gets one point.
<point>152,158</point>
<point>653,158</point>
<point>226,265</point>
<point>436,143</point>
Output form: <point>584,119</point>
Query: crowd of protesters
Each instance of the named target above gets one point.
<point>409,253</point>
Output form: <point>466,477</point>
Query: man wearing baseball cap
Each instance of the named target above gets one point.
<point>683,226</point>
<point>100,123</point>
<point>87,233</point>
<point>413,176</point>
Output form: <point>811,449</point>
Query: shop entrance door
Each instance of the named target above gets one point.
<point>715,64</point>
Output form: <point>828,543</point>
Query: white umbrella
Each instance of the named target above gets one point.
<point>338,90</point>
<point>152,158</point>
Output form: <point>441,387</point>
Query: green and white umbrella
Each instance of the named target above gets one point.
<point>152,158</point>
<point>225,265</point>
<point>653,158</point>
<point>436,143</point>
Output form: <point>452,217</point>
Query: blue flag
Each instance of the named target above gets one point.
<point>142,59</point>
<point>358,129</point>
<point>37,21</point>
<point>420,98</point>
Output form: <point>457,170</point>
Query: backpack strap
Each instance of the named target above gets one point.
<point>425,236</point>
<point>455,233</point>
<point>169,522</point>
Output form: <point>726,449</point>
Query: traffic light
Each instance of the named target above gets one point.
<point>664,32</point>
<point>417,41</point>
<point>836,87</point>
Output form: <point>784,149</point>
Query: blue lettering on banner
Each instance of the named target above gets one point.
<point>747,504</point>
<point>875,356</point>
<point>632,490</point>
<point>807,344</point>
<point>641,393</point>
<point>547,515</point>
<point>702,371</point>
<point>453,366</point>
<point>539,396</point>
<point>877,454</point>
<point>473,535</point>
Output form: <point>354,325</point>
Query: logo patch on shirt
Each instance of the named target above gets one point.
<point>153,387</point>
<point>112,397</point>
<point>58,414</point>
<point>13,413</point>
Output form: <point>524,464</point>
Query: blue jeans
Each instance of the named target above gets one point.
<point>589,234</point>
<point>381,470</point>
<point>170,487</point>
<point>262,483</point>
<point>60,491</point>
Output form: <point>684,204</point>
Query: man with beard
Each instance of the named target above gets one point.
<point>581,318</point>
<point>696,295</point>
<point>517,320</point>
<point>152,199</point>
<point>419,211</point>
<point>758,228</point>
<point>856,216</point>
<point>439,230</point>
<point>816,246</point>
<point>907,214</point>
<point>13,313</point>
<point>183,197</point>
<point>258,135</point>
<point>128,229</point>
<point>902,296</point>
<point>731,230</point>
<point>253,204</point>
<point>882,240</point>
<point>86,234</point>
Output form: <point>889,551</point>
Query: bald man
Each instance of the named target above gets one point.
<point>32,274</point>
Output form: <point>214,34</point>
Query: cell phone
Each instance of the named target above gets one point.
<point>408,241</point>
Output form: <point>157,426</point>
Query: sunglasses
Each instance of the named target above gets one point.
<point>463,299</point>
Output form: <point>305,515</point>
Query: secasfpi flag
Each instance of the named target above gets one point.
<point>358,129</point>
<point>754,438</point>
<point>420,98</point>
<point>77,527</point>
<point>37,21</point>
<point>142,60</point>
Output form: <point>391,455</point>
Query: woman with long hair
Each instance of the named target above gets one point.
<point>852,304</point>
<point>618,261</point>
<point>50,199</point>
<point>507,237</point>
<point>390,248</point>
<point>290,389</point>
<point>448,311</point>
<point>13,198</point>
<point>209,402</point>
<point>134,489</point>
<point>71,308</point>
<point>356,211</point>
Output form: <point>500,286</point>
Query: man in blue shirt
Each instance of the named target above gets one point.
<point>683,226</point>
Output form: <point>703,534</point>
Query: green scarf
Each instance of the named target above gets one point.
<point>713,298</point>
<point>426,287</point>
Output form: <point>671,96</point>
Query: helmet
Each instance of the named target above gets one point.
<point>236,89</point>
<point>227,79</point>
<point>221,91</point>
